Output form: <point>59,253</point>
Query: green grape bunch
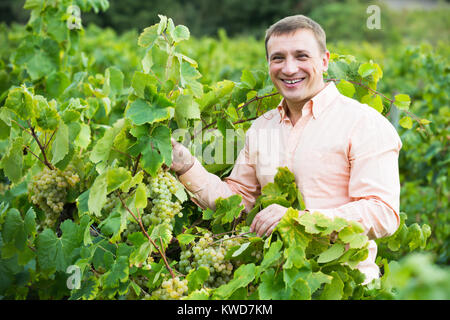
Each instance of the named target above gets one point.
<point>48,190</point>
<point>211,254</point>
<point>171,289</point>
<point>164,205</point>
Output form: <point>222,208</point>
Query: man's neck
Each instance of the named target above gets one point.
<point>294,109</point>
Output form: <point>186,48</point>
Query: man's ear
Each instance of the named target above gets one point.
<point>326,60</point>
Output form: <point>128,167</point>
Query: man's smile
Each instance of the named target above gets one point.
<point>291,83</point>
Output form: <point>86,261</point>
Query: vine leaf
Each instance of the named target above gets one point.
<point>60,146</point>
<point>54,253</point>
<point>242,277</point>
<point>12,161</point>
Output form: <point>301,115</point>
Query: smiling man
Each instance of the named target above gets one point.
<point>344,154</point>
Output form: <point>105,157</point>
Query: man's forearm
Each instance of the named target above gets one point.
<point>207,187</point>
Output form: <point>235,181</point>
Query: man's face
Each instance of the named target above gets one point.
<point>296,65</point>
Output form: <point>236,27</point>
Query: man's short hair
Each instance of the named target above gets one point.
<point>293,23</point>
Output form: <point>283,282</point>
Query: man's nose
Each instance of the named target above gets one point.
<point>290,66</point>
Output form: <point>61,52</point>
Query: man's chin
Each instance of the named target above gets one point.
<point>297,99</point>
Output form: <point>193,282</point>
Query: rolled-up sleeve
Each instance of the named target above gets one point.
<point>207,187</point>
<point>374,184</point>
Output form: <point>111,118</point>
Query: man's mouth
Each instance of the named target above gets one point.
<point>292,81</point>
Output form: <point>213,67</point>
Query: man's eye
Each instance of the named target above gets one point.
<point>302,56</point>
<point>277,58</point>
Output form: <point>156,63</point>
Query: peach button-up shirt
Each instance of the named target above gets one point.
<point>344,156</point>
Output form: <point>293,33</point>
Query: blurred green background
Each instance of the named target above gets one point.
<point>414,21</point>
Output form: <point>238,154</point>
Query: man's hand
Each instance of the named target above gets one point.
<point>182,159</point>
<point>267,219</point>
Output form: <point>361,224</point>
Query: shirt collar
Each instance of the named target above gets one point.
<point>318,104</point>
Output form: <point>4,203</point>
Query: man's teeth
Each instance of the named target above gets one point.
<point>292,81</point>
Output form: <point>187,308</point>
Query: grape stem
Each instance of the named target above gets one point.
<point>48,142</point>
<point>33,133</point>
<point>241,235</point>
<point>136,164</point>
<point>139,221</point>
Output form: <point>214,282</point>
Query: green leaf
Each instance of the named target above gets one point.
<point>29,222</point>
<point>332,253</point>
<point>309,221</point>
<point>141,196</point>
<point>196,278</point>
<point>148,37</point>
<point>353,235</point>
<point>402,101</point>
<point>162,232</point>
<point>115,223</point>
<point>373,100</point>
<point>180,33</point>
<point>47,117</point>
<point>272,286</point>
<point>101,151</point>
<point>113,84</point>
<point>185,238</point>
<point>118,273</point>
<point>338,69</point>
<point>160,138</point>
<point>366,69</point>
<point>12,161</point>
<point>60,146</point>
<point>44,60</point>
<point>13,229</point>
<point>241,249</point>
<point>242,277</point>
<point>20,101</point>
<point>406,122</point>
<point>317,279</point>
<point>290,230</point>
<point>295,257</point>
<point>83,139</point>
<point>346,88</point>
<point>5,130</point>
<point>117,178</point>
<point>333,290</point>
<point>186,108</point>
<point>151,161</point>
<point>200,294</point>
<point>143,83</point>
<point>87,291</point>
<point>55,254</point>
<point>56,83</point>
<point>272,255</point>
<point>141,112</point>
<point>188,75</point>
<point>142,248</point>
<point>227,209</point>
<point>97,194</point>
<point>248,79</point>
<point>136,179</point>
